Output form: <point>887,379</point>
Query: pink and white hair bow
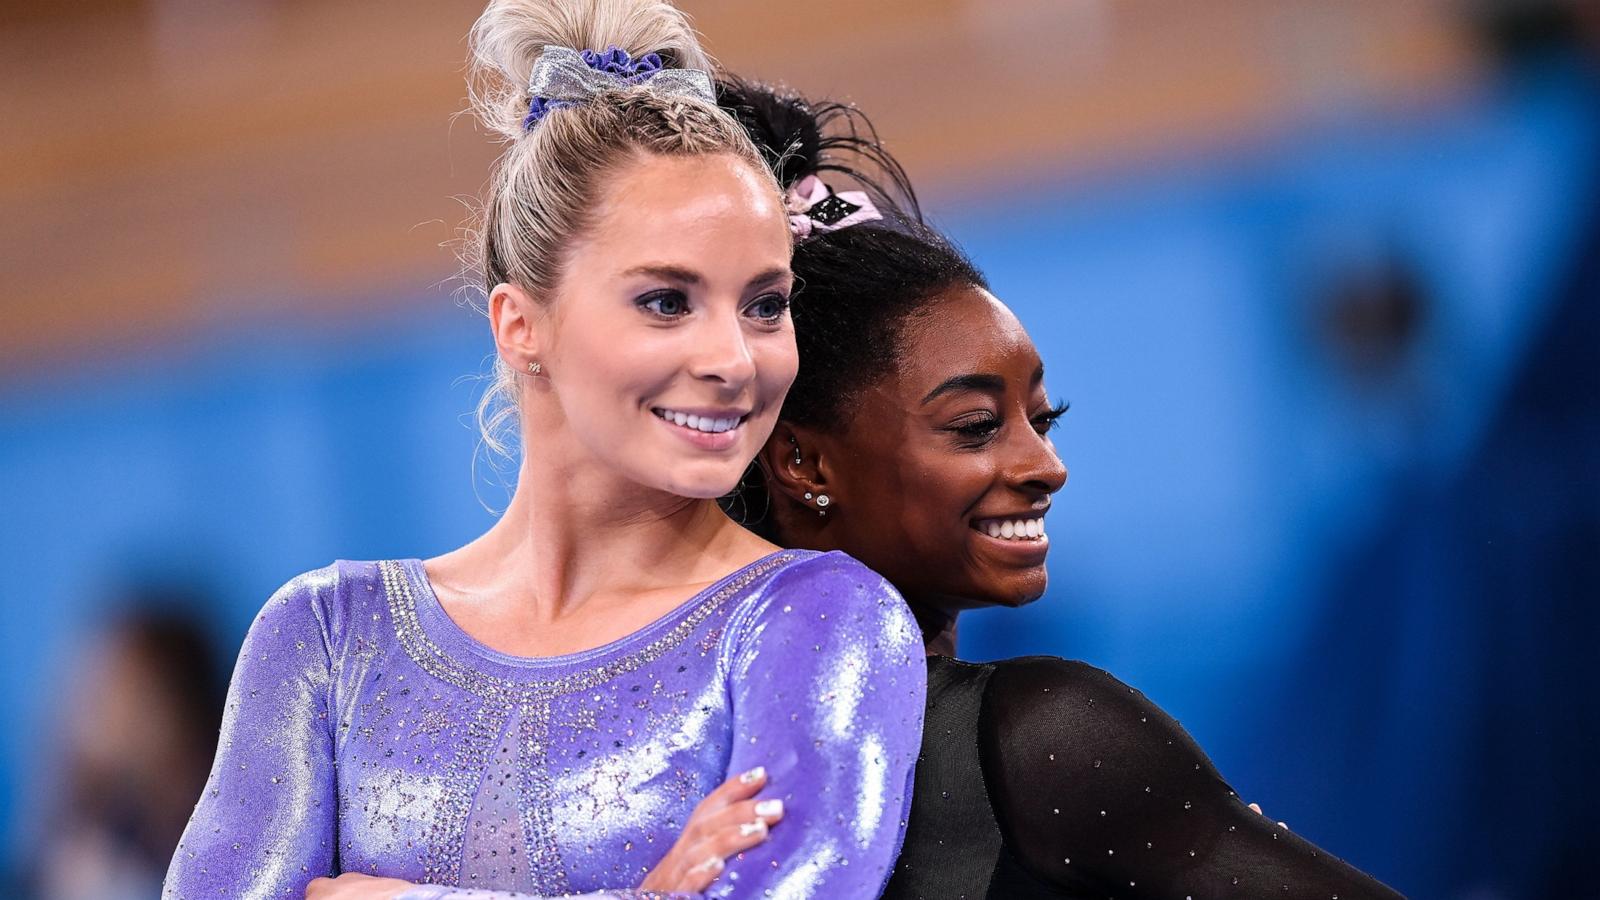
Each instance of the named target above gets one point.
<point>816,209</point>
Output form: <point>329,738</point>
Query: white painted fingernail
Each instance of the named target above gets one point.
<point>769,808</point>
<point>754,775</point>
<point>749,828</point>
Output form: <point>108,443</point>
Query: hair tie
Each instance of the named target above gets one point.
<point>815,209</point>
<point>564,77</point>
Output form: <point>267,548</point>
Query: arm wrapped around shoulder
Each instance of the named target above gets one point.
<point>1096,789</point>
<point>827,683</point>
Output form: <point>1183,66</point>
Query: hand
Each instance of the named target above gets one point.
<point>1257,808</point>
<point>354,886</point>
<point>726,822</point>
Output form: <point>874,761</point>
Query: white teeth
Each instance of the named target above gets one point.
<point>1014,530</point>
<point>708,424</point>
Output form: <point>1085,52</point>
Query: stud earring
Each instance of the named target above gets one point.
<point>796,446</point>
<point>534,368</point>
<point>822,504</point>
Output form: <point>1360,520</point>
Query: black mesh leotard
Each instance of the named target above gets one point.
<point>1043,777</point>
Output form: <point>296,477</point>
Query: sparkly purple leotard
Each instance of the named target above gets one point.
<point>366,732</point>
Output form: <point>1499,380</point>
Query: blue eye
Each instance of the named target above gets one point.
<point>666,304</point>
<point>769,308</point>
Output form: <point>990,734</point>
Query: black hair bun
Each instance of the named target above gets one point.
<point>779,122</point>
<point>800,138</point>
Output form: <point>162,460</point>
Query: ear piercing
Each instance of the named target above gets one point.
<point>534,368</point>
<point>822,500</point>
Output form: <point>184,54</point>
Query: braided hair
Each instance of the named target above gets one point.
<point>543,188</point>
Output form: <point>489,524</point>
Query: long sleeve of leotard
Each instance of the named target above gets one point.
<point>1099,792</point>
<point>265,825</point>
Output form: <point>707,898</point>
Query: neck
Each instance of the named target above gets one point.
<point>938,629</point>
<point>573,535</point>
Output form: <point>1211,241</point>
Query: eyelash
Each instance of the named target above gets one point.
<point>1051,416</point>
<point>983,428</point>
<point>650,302</point>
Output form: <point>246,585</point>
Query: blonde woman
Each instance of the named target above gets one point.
<point>543,709</point>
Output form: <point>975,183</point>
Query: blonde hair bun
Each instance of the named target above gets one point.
<point>507,39</point>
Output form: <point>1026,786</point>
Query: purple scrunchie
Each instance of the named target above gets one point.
<point>615,61</point>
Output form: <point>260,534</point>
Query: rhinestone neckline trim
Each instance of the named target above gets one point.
<point>434,660</point>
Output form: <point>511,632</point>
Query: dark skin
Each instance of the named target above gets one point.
<point>955,437</point>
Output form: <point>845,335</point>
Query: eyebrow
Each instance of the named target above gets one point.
<point>973,382</point>
<point>667,271</point>
<point>682,275</point>
<point>977,381</point>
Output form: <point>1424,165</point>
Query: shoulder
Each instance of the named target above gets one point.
<point>831,604</point>
<point>1044,682</point>
<point>833,593</point>
<point>1045,715</point>
<point>1043,705</point>
<point>326,602</point>
<point>812,570</point>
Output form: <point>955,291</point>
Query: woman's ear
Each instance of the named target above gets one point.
<point>796,462</point>
<point>515,319</point>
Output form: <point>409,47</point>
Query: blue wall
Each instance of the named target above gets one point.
<point>1265,539</point>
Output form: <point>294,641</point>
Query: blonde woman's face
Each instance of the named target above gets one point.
<point>669,347</point>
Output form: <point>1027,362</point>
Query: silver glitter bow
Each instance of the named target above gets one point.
<point>561,77</point>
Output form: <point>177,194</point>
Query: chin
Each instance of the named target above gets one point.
<point>1012,590</point>
<point>704,484</point>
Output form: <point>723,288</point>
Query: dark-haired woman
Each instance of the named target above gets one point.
<point>916,439</point>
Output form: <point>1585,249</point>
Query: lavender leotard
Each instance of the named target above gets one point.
<point>366,732</point>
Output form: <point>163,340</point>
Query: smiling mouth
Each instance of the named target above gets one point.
<point>1020,529</point>
<point>705,424</point>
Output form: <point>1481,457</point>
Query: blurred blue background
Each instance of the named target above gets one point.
<point>1334,444</point>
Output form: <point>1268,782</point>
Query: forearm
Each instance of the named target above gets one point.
<point>440,892</point>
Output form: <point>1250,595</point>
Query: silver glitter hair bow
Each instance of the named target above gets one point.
<point>563,76</point>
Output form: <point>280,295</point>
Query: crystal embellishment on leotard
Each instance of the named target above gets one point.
<point>367,732</point>
<point>530,702</point>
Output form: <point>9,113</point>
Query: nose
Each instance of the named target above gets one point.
<point>1036,468</point>
<point>722,353</point>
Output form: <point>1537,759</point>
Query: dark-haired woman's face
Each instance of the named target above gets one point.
<point>946,468</point>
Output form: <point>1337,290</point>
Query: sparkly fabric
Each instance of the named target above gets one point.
<point>366,732</point>
<point>564,77</point>
<point>815,209</point>
<point>1047,778</point>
